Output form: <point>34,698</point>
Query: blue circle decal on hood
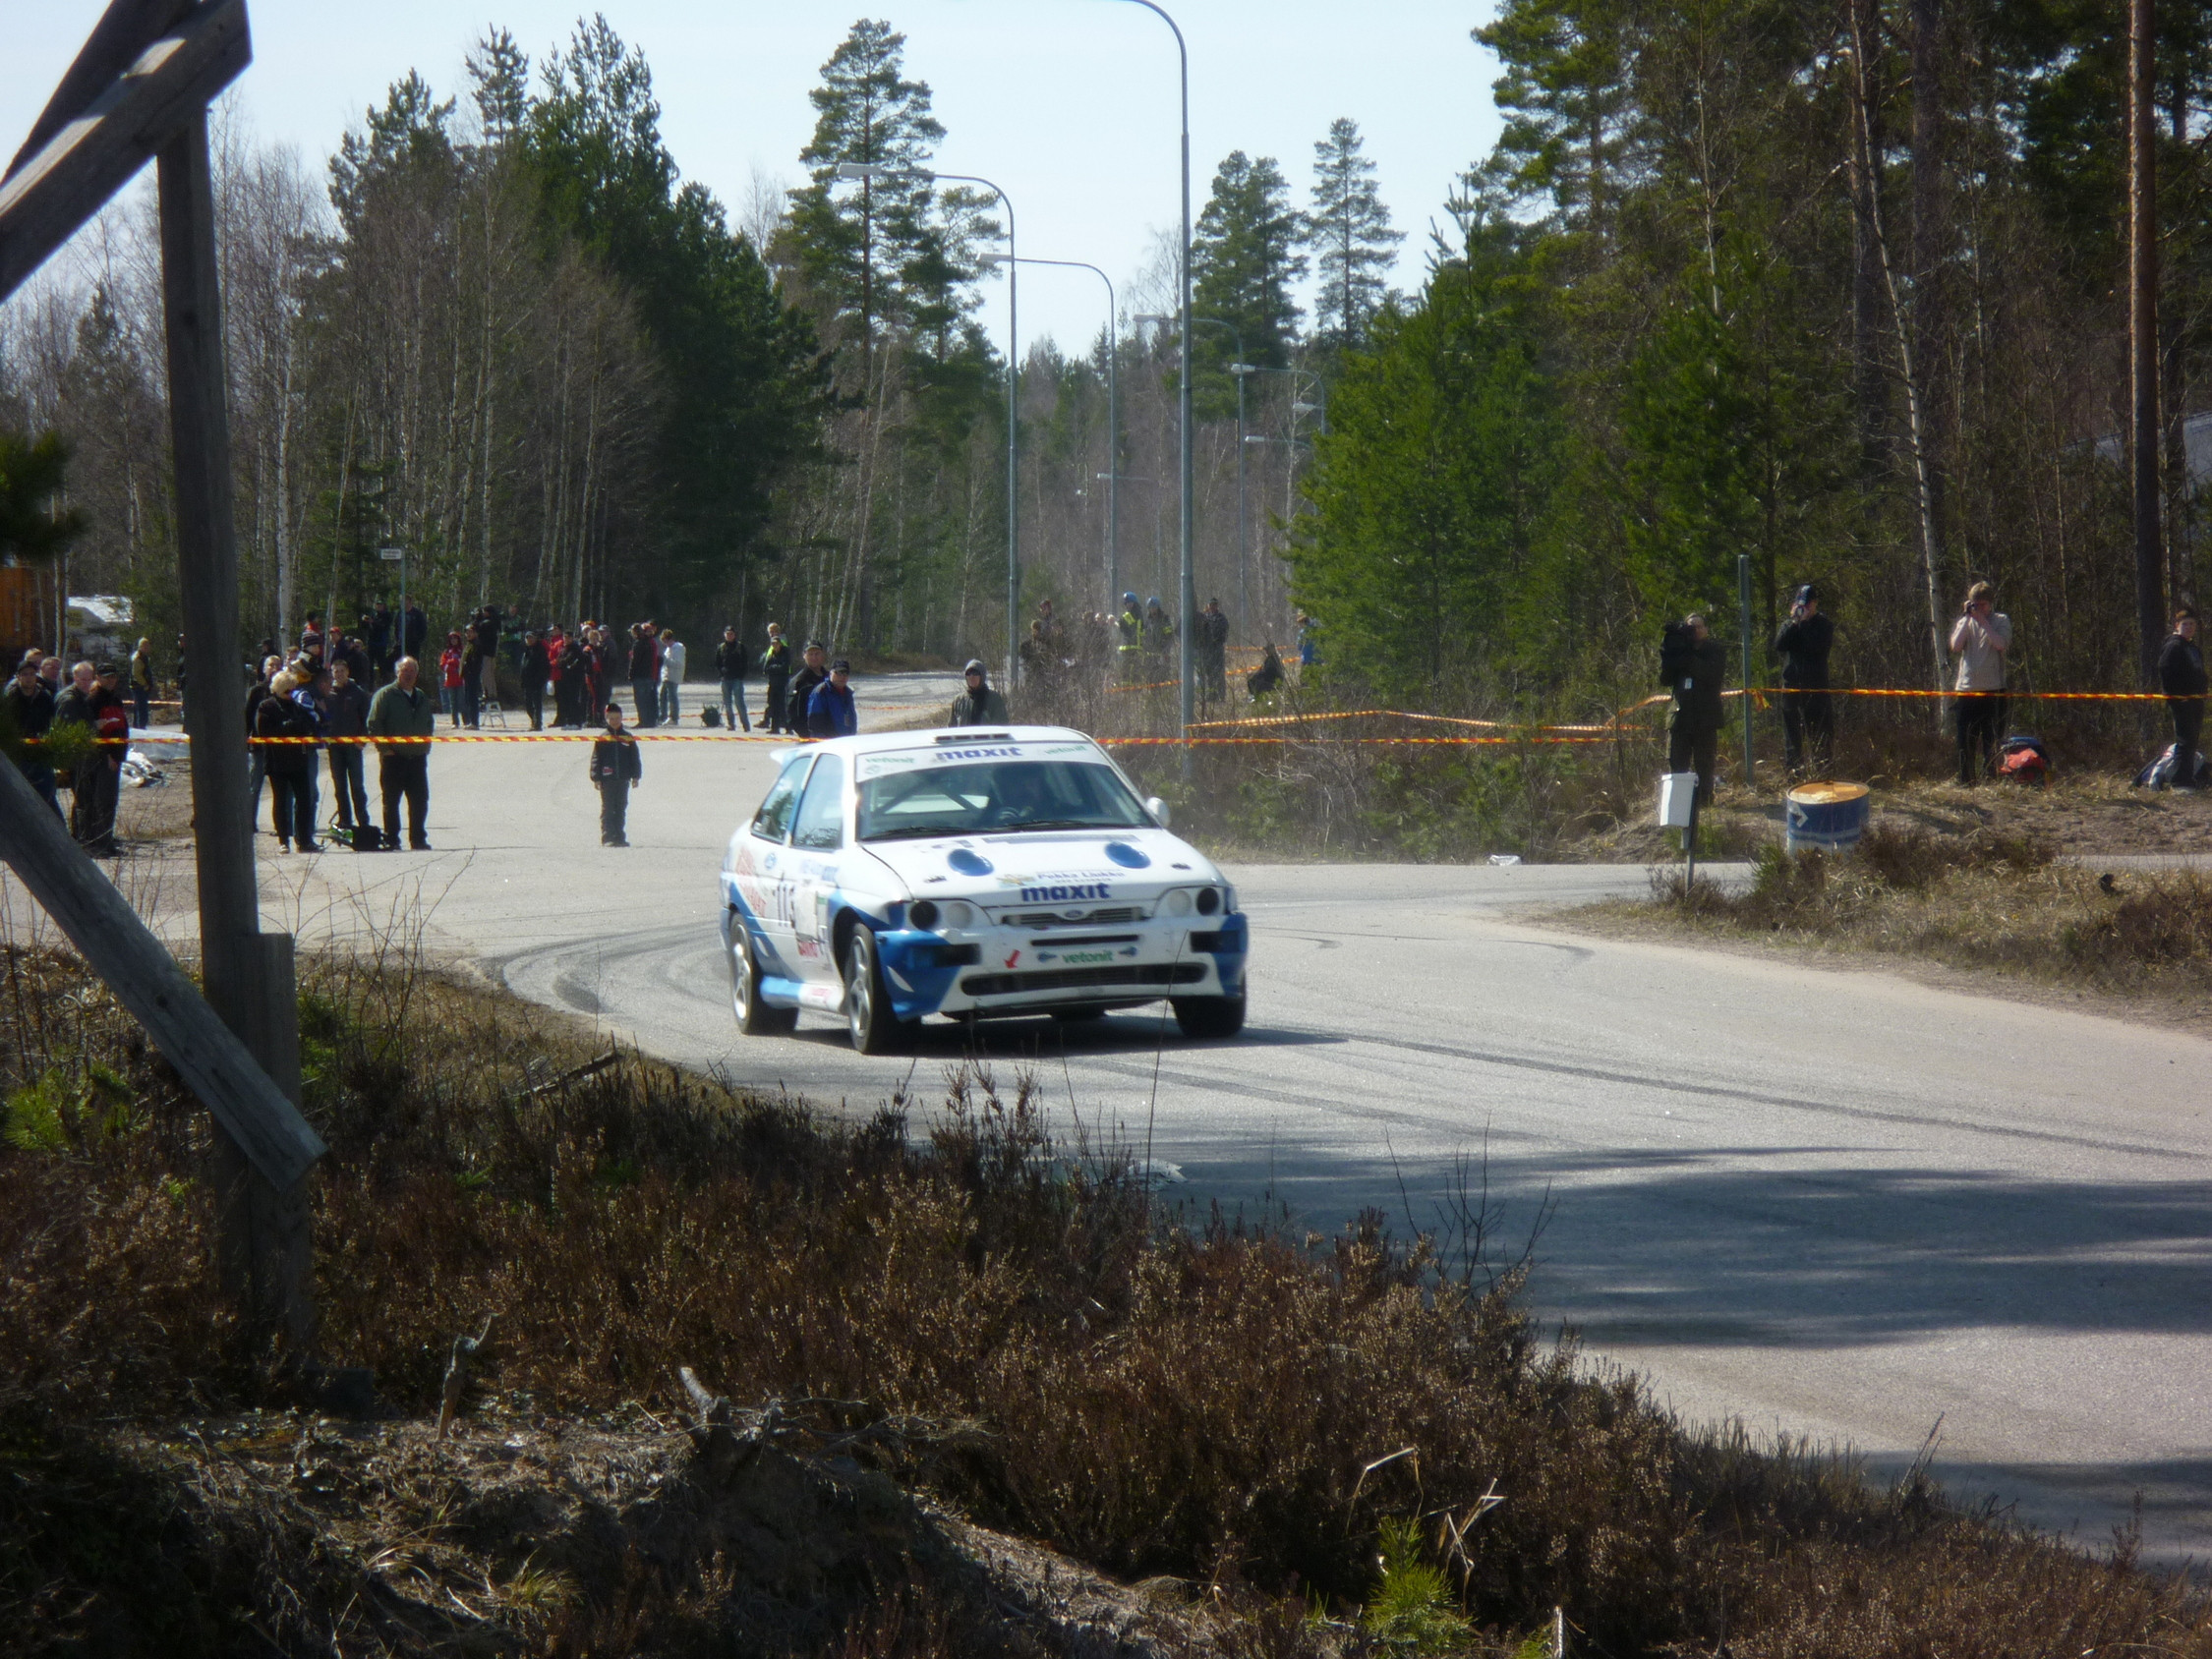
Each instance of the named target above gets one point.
<point>968,862</point>
<point>1127,856</point>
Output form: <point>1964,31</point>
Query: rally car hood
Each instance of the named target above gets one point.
<point>994,868</point>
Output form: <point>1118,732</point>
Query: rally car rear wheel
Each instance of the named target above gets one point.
<point>755,1017</point>
<point>868,1015</point>
<point>1209,1016</point>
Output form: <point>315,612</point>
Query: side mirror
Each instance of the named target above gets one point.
<point>1158,809</point>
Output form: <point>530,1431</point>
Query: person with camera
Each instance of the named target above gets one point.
<point>2180,676</point>
<point>1692,665</point>
<point>1808,715</point>
<point>1981,638</point>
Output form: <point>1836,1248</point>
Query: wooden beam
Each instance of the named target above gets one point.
<point>214,1065</point>
<point>92,155</point>
<point>124,29</point>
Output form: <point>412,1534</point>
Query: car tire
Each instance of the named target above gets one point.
<point>868,1015</point>
<point>755,1017</point>
<point>1209,1016</point>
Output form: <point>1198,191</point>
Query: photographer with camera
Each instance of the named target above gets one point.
<point>1808,715</point>
<point>1692,665</point>
<point>1981,637</point>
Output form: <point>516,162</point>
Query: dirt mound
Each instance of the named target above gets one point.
<point>753,1534</point>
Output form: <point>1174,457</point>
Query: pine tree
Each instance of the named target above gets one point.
<point>871,251</point>
<point>1243,258</point>
<point>500,70</point>
<point>1566,93</point>
<point>1350,231</point>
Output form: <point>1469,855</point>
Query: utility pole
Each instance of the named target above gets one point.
<point>2142,328</point>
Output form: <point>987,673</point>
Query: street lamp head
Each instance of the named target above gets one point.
<point>994,258</point>
<point>1152,317</point>
<point>1243,368</point>
<point>1303,407</point>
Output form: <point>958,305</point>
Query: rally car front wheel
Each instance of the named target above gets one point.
<point>755,1019</point>
<point>868,1015</point>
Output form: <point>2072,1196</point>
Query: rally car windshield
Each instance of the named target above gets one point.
<point>996,798</point>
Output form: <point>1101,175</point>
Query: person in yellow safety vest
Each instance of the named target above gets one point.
<point>1129,625</point>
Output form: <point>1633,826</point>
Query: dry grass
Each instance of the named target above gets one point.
<point>976,1312</point>
<point>1979,900</point>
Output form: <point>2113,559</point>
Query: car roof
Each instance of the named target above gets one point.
<point>876,742</point>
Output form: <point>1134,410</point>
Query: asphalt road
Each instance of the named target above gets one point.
<point>1832,1203</point>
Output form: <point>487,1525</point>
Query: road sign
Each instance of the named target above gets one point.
<point>391,554</point>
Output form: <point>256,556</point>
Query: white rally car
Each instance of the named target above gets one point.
<point>975,873</point>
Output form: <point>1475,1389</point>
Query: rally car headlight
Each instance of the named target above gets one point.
<point>928,915</point>
<point>1179,903</point>
<point>1209,900</point>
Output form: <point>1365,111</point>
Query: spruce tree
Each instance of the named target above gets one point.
<point>1243,258</point>
<point>1352,243</point>
<point>871,251</point>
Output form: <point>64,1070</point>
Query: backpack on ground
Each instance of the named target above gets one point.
<point>2024,760</point>
<point>367,837</point>
<point>710,715</point>
<point>2165,772</point>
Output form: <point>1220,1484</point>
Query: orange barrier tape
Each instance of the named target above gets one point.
<point>1377,742</point>
<point>1151,685</point>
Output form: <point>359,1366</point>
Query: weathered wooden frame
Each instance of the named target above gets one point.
<point>138,91</point>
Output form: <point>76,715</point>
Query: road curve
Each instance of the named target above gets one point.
<point>1835,1203</point>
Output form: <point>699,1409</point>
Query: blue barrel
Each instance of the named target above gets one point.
<point>1830,817</point>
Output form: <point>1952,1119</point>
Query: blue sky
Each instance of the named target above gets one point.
<point>1069,104</point>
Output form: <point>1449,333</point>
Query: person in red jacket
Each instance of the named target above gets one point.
<point>449,669</point>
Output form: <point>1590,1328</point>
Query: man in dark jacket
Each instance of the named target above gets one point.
<point>1693,665</point>
<point>979,705</point>
<point>29,711</point>
<point>472,672</point>
<point>730,668</point>
<point>830,709</point>
<point>617,769</point>
<point>345,715</point>
<point>414,631</point>
<point>775,670</point>
<point>534,679</point>
<point>1808,715</point>
<point>382,648</point>
<point>93,700</point>
<point>1209,644</point>
<point>645,674</point>
<point>2180,675</point>
<point>798,702</point>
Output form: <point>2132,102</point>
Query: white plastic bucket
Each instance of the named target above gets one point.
<point>1830,817</point>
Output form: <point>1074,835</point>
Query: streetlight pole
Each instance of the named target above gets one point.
<point>1113,473</point>
<point>1240,368</point>
<point>877,170</point>
<point>1182,286</point>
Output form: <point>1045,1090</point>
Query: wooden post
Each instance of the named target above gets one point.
<point>139,88</point>
<point>248,977</point>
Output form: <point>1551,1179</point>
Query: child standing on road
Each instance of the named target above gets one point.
<point>615,769</point>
